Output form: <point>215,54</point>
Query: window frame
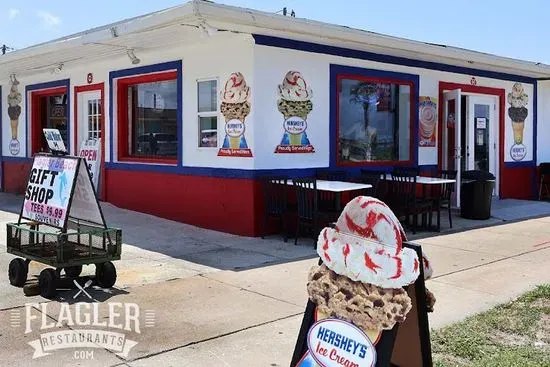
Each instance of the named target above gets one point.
<point>122,84</point>
<point>215,114</point>
<point>365,77</point>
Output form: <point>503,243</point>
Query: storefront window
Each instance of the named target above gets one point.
<point>207,91</point>
<point>148,110</point>
<point>374,120</point>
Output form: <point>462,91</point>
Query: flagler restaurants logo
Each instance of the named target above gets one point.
<point>85,326</point>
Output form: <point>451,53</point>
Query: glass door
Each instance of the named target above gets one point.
<point>451,148</point>
<point>482,131</point>
<point>89,119</point>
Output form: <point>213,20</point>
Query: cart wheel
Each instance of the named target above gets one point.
<point>105,274</point>
<point>48,283</point>
<point>73,271</point>
<point>17,272</point>
<point>31,289</point>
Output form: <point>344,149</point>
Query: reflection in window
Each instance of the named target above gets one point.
<point>152,115</point>
<point>208,113</point>
<point>374,122</point>
<point>53,115</point>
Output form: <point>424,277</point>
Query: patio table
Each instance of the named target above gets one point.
<point>425,180</point>
<point>338,187</point>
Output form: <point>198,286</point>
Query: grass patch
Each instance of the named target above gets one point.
<point>510,335</point>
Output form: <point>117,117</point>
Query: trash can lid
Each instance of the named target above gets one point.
<point>477,175</point>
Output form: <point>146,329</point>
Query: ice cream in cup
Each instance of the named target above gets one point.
<point>428,118</point>
<point>295,104</point>
<point>517,111</point>
<point>235,107</point>
<point>365,268</point>
<point>14,108</point>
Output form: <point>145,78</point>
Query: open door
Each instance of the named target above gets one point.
<point>452,150</point>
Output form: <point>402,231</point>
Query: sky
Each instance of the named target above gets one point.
<point>518,29</point>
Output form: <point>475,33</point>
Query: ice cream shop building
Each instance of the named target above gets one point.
<point>194,104</point>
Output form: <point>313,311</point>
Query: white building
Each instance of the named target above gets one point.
<point>192,107</point>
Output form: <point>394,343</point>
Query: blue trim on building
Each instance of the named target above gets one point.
<point>520,164</point>
<point>47,85</point>
<point>147,69</point>
<point>8,158</point>
<point>336,70</point>
<point>211,171</point>
<point>264,40</point>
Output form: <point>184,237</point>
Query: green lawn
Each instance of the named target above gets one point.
<point>516,334</point>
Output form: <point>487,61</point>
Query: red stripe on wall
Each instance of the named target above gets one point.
<point>223,204</point>
<point>16,175</point>
<point>516,183</point>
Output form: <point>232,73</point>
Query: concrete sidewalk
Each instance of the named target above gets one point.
<point>231,301</point>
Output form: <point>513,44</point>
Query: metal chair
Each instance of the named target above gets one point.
<point>374,178</point>
<point>331,175</point>
<point>443,200</point>
<point>544,189</point>
<point>406,201</point>
<point>327,199</point>
<point>275,200</point>
<point>306,195</point>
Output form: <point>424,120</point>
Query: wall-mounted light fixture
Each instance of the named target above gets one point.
<point>135,60</point>
<point>58,68</point>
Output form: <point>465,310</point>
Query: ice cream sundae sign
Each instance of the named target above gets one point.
<point>518,112</point>
<point>357,294</point>
<point>14,111</point>
<point>295,105</point>
<point>235,108</point>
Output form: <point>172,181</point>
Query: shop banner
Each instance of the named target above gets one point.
<point>90,150</point>
<point>427,121</point>
<point>518,112</point>
<point>84,205</point>
<point>48,193</point>
<point>295,105</point>
<point>235,107</point>
<point>55,140</point>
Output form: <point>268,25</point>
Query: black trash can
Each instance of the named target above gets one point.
<point>476,194</point>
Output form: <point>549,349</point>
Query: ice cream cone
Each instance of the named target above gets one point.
<point>518,127</point>
<point>295,108</point>
<point>295,139</point>
<point>235,111</point>
<point>14,125</point>
<point>234,142</point>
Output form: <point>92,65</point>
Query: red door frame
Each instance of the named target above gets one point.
<point>36,132</point>
<point>92,88</point>
<point>468,88</point>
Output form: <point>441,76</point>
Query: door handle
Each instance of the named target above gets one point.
<point>457,153</point>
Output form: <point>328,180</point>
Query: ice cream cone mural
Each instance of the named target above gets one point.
<point>14,111</point>
<point>518,112</point>
<point>295,105</point>
<point>235,107</point>
<point>364,270</point>
<point>428,121</point>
